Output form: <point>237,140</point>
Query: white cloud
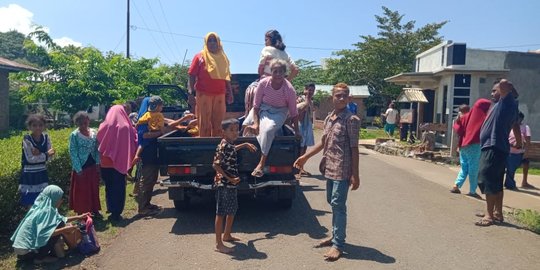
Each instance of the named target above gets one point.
<point>65,41</point>
<point>15,17</point>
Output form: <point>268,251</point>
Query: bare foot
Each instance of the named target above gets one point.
<point>324,243</point>
<point>230,238</point>
<point>333,254</point>
<point>527,186</point>
<point>223,249</point>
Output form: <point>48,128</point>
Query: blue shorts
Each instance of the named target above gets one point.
<point>389,128</point>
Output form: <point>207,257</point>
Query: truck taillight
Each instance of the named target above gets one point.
<point>280,169</point>
<point>181,170</point>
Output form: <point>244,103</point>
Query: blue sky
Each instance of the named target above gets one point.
<point>326,25</point>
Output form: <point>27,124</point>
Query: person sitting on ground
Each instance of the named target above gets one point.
<point>467,127</point>
<point>227,179</point>
<point>275,98</point>
<point>39,232</point>
<point>392,118</point>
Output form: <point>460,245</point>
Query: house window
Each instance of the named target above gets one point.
<point>462,92</point>
<point>456,54</point>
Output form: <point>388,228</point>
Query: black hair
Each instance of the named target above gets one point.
<point>521,115</point>
<point>309,85</point>
<point>275,39</point>
<point>33,118</point>
<point>133,104</point>
<point>79,116</point>
<point>225,124</point>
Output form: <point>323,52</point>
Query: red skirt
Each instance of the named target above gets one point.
<point>84,191</point>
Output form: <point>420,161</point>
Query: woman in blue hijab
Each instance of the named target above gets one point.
<point>42,227</point>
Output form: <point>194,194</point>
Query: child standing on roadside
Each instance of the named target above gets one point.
<point>227,179</point>
<point>339,165</point>
<point>36,151</point>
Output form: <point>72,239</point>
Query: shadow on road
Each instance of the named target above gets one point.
<point>248,251</point>
<point>534,191</point>
<point>253,216</point>
<point>366,254</point>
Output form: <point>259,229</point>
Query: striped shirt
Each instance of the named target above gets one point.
<point>283,97</point>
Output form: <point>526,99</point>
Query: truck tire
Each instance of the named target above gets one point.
<point>181,205</point>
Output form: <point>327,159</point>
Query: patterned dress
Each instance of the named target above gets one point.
<point>226,195</point>
<point>84,188</point>
<point>34,176</point>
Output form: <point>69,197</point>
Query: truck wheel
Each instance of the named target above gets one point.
<point>285,203</point>
<point>181,205</point>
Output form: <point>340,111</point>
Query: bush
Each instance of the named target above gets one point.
<point>59,169</point>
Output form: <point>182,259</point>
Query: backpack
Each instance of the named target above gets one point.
<point>89,243</point>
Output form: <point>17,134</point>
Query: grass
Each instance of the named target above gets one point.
<point>372,134</point>
<point>106,229</point>
<point>529,218</point>
<point>532,170</point>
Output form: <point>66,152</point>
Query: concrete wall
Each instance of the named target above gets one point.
<point>431,61</point>
<point>525,74</point>
<point>4,100</point>
<point>483,60</point>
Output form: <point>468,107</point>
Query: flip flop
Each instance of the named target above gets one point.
<point>496,218</point>
<point>484,222</point>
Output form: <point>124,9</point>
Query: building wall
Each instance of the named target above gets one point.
<point>525,74</point>
<point>4,100</point>
<point>484,60</point>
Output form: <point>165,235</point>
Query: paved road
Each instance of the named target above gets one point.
<point>397,220</point>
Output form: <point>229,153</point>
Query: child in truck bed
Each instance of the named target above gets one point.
<point>227,179</point>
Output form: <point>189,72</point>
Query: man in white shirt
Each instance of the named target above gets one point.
<point>391,120</point>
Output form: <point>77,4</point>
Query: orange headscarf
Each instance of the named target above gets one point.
<point>217,64</point>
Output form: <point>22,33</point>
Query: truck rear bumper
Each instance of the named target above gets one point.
<point>187,184</point>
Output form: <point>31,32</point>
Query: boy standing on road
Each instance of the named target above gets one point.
<point>339,165</point>
<point>227,179</point>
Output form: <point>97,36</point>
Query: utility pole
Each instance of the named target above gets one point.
<point>127,29</point>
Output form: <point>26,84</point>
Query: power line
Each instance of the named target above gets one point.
<point>153,38</point>
<point>120,41</point>
<point>168,26</point>
<point>233,41</point>
<point>159,27</point>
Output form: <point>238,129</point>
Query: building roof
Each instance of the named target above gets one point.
<point>9,65</point>
<point>357,91</point>
<point>412,95</point>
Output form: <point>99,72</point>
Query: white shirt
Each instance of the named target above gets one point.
<point>391,116</point>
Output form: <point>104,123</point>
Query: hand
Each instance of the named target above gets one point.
<point>252,148</point>
<point>300,162</point>
<point>84,216</point>
<point>217,178</point>
<point>507,87</point>
<point>355,182</point>
<point>136,159</point>
<point>230,98</point>
<point>189,116</point>
<point>192,124</point>
<point>234,180</point>
<point>35,151</point>
<point>51,152</point>
<point>255,128</point>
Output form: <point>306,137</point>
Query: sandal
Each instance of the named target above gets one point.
<point>455,190</point>
<point>497,218</point>
<point>257,173</point>
<point>484,222</point>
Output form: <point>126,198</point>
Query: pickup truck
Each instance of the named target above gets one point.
<point>187,161</point>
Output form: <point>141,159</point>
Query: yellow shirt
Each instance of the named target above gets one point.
<point>155,120</point>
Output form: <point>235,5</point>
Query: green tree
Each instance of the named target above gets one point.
<point>11,45</point>
<point>309,72</point>
<point>392,51</point>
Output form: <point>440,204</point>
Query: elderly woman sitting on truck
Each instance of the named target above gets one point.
<point>275,99</point>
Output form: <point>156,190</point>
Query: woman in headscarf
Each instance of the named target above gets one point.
<point>41,228</point>
<point>210,81</point>
<point>468,127</point>
<point>275,49</point>
<point>117,146</point>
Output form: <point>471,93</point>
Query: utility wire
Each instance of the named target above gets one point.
<point>159,28</point>
<point>168,27</point>
<point>153,38</point>
<point>120,41</point>
<point>236,42</point>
